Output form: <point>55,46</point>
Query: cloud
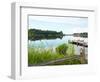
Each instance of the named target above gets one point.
<point>60,20</point>
<point>65,24</point>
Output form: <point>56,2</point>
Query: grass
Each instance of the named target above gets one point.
<point>68,62</point>
<point>61,49</point>
<point>70,51</point>
<point>36,56</point>
<point>40,55</point>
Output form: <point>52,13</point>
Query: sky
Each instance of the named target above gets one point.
<point>67,25</point>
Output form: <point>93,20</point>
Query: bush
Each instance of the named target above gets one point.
<point>61,49</point>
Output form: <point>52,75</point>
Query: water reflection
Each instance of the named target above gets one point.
<point>46,37</point>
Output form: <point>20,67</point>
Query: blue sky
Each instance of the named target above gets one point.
<point>66,24</point>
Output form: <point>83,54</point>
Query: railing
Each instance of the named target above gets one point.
<point>79,43</point>
<point>79,57</point>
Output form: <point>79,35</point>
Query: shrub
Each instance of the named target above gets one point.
<point>61,49</point>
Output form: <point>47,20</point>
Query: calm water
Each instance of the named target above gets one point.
<point>55,42</point>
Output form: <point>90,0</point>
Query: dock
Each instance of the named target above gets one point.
<point>79,43</point>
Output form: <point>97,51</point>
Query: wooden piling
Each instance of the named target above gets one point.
<point>82,55</point>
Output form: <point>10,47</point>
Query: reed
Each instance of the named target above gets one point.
<point>41,55</point>
<point>37,56</point>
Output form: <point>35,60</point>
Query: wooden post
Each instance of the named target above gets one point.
<point>82,55</point>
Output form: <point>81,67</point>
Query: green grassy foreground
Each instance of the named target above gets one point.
<point>38,56</point>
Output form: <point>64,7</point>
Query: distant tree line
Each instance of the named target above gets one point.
<point>37,34</point>
<point>84,34</point>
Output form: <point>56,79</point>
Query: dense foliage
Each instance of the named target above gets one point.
<point>61,49</point>
<point>36,34</point>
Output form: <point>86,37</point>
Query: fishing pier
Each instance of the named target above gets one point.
<point>78,43</point>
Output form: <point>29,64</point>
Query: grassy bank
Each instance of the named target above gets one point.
<point>38,56</point>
